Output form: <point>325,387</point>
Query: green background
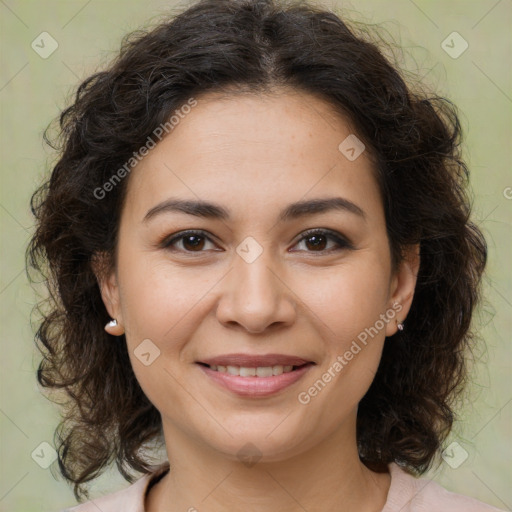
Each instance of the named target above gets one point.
<point>32,92</point>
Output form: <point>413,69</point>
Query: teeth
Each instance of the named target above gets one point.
<point>233,370</point>
<point>260,371</point>
<point>247,372</point>
<point>263,371</point>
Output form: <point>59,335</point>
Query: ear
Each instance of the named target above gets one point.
<point>403,283</point>
<point>109,288</point>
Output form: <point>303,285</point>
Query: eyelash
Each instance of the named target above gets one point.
<point>342,242</point>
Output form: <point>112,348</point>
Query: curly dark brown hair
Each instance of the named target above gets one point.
<point>414,139</point>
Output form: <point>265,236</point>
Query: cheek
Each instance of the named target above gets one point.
<point>160,303</point>
<point>347,303</point>
<point>157,296</point>
<point>348,298</point>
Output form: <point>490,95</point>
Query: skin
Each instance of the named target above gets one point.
<point>254,155</point>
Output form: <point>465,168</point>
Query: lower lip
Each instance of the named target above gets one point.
<point>256,386</point>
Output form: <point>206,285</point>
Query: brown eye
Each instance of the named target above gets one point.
<point>317,240</point>
<point>191,241</point>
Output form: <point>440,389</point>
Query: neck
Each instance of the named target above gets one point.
<point>329,476</point>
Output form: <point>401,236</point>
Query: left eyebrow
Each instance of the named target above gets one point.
<point>296,210</point>
<point>322,205</point>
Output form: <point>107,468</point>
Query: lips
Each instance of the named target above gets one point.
<point>253,361</point>
<point>255,375</point>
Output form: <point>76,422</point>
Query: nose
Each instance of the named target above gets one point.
<point>256,297</point>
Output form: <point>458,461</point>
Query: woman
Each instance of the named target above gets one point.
<point>260,257</point>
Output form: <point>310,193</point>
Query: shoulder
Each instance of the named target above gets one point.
<point>130,499</point>
<point>410,494</point>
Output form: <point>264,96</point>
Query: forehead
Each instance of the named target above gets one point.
<point>253,149</point>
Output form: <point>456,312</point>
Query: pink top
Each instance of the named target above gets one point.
<point>406,494</point>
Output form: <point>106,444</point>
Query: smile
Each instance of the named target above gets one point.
<point>255,379</point>
<point>259,371</point>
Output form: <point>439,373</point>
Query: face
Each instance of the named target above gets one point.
<point>259,284</point>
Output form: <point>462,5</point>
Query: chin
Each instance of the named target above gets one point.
<point>259,441</point>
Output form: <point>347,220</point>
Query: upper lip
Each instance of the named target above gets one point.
<point>249,361</point>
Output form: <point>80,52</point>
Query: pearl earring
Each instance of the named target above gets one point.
<point>114,328</point>
<point>400,325</point>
